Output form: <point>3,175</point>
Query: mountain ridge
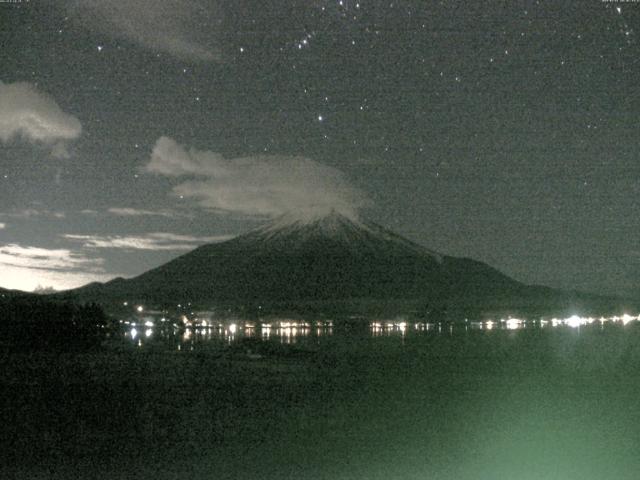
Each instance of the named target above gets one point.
<point>316,259</point>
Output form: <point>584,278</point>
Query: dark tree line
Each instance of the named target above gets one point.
<point>32,323</point>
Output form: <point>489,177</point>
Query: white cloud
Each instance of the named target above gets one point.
<point>25,268</point>
<point>34,116</point>
<point>3,226</point>
<point>260,185</point>
<point>134,212</point>
<point>46,259</point>
<point>32,212</point>
<point>27,279</point>
<point>175,27</point>
<point>152,241</point>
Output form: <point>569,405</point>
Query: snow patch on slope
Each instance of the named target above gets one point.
<point>348,229</point>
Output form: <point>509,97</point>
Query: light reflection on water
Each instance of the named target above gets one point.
<point>291,332</point>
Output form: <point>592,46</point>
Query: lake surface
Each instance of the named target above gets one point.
<point>375,400</point>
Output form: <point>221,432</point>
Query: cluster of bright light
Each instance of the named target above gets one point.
<point>390,326</point>
<point>186,336</point>
<point>626,318</point>
<point>293,324</point>
<point>574,321</point>
<point>288,329</point>
<point>513,323</point>
<point>305,41</point>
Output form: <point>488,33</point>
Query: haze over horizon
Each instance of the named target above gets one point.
<point>130,134</point>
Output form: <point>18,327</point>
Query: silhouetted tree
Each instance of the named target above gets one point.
<point>36,323</point>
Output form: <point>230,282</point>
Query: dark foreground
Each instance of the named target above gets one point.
<point>528,404</point>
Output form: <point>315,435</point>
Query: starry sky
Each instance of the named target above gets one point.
<point>131,132</point>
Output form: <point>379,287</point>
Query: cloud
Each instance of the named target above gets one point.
<point>152,241</point>
<point>26,268</point>
<point>32,212</point>
<point>60,150</point>
<point>134,212</point>
<point>47,259</point>
<point>175,27</point>
<point>27,279</point>
<point>3,226</point>
<point>34,116</point>
<point>265,185</point>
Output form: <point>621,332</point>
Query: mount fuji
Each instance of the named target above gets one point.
<point>300,260</point>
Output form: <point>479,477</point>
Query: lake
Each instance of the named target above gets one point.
<point>368,399</point>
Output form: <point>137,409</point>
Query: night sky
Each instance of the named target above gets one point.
<point>131,132</point>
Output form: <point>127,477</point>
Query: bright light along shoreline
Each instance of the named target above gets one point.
<point>290,331</point>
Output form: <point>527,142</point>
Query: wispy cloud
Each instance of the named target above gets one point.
<point>135,212</point>
<point>175,27</point>
<point>47,259</point>
<point>34,116</point>
<point>32,212</point>
<point>28,279</point>
<point>152,241</point>
<point>27,267</point>
<point>260,185</point>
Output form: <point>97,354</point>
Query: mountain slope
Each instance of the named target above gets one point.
<point>291,259</point>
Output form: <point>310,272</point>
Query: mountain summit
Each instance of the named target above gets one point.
<point>296,232</point>
<point>309,258</point>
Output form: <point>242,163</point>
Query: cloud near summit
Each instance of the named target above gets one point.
<point>265,185</point>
